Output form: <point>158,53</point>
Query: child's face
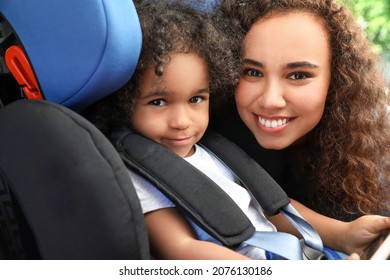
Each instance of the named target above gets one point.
<point>173,109</point>
<point>282,92</point>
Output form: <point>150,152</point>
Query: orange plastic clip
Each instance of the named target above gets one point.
<point>19,66</point>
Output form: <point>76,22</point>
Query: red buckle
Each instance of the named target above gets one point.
<point>19,66</point>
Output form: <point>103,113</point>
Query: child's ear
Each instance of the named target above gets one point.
<point>19,66</point>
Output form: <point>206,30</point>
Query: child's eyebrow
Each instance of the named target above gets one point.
<point>154,94</point>
<point>203,90</point>
<point>162,93</point>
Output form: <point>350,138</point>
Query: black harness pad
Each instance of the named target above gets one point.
<point>263,187</point>
<point>196,194</point>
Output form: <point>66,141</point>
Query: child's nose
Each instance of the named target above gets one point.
<point>180,118</point>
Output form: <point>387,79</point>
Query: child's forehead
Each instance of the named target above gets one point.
<point>176,61</point>
<point>184,73</point>
<point>159,87</point>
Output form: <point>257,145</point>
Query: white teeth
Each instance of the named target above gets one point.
<point>273,123</point>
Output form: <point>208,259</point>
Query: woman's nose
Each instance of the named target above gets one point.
<point>272,96</point>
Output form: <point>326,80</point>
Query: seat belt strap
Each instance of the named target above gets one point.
<point>287,245</point>
<point>309,234</point>
<point>280,243</point>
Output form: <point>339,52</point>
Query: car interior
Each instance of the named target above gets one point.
<point>65,192</point>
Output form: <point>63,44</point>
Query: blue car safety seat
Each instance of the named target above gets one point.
<point>64,191</point>
<point>204,5</point>
<point>71,52</point>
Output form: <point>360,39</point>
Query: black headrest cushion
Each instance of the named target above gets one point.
<point>70,184</point>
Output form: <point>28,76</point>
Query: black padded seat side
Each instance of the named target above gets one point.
<point>68,185</point>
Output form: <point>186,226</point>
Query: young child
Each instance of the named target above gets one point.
<point>185,58</point>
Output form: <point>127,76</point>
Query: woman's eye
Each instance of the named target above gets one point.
<point>196,99</point>
<point>252,72</point>
<point>157,102</point>
<point>299,76</point>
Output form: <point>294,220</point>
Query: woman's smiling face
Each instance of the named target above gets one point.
<point>282,91</point>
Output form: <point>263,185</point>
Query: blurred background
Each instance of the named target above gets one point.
<point>374,18</point>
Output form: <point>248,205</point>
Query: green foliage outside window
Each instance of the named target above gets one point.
<point>374,17</point>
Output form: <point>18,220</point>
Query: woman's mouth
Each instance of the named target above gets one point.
<point>274,122</point>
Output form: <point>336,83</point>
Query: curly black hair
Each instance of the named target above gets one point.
<point>173,27</point>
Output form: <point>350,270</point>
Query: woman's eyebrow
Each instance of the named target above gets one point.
<point>252,62</point>
<point>291,65</point>
<point>300,64</point>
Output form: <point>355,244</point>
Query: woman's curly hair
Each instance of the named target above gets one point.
<point>349,150</point>
<point>173,27</point>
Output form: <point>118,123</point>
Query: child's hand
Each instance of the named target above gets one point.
<point>361,232</point>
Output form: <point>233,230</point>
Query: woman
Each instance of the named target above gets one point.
<point>312,96</point>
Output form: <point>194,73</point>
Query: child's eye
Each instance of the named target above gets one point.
<point>299,76</point>
<point>157,102</point>
<point>196,99</point>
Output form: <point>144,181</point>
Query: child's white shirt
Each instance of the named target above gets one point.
<point>152,199</point>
